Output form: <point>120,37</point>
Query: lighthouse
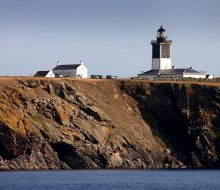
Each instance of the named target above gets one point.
<point>161,51</point>
<point>161,66</point>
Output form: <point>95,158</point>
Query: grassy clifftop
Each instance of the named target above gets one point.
<point>67,123</point>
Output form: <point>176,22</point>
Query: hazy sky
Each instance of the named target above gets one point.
<point>111,36</point>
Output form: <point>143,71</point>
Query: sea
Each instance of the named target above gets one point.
<point>111,180</point>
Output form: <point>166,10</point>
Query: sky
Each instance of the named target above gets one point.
<point>110,36</point>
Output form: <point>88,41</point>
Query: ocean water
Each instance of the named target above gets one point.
<point>111,180</point>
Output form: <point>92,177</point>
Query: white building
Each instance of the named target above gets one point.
<point>173,74</point>
<point>162,61</point>
<point>72,70</point>
<point>44,74</point>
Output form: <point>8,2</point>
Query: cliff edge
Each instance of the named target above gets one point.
<point>67,123</point>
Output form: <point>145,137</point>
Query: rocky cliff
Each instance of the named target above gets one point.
<point>65,123</point>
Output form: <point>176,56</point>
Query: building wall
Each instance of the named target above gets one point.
<point>161,63</point>
<point>165,63</point>
<point>50,74</point>
<point>155,50</point>
<point>168,77</point>
<point>149,77</point>
<point>194,76</point>
<point>155,63</point>
<point>210,76</point>
<point>81,72</point>
<point>178,76</point>
<point>165,50</point>
<point>152,77</point>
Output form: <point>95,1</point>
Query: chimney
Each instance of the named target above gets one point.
<point>81,62</point>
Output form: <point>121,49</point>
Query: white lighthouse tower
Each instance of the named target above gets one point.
<point>161,51</point>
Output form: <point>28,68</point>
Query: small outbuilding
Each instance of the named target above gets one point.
<point>44,74</point>
<point>172,74</point>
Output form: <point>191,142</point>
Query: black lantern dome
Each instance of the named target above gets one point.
<point>161,34</point>
<point>161,29</point>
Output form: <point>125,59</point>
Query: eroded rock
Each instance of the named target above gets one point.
<point>62,124</point>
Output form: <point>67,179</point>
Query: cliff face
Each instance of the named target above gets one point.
<point>64,123</point>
